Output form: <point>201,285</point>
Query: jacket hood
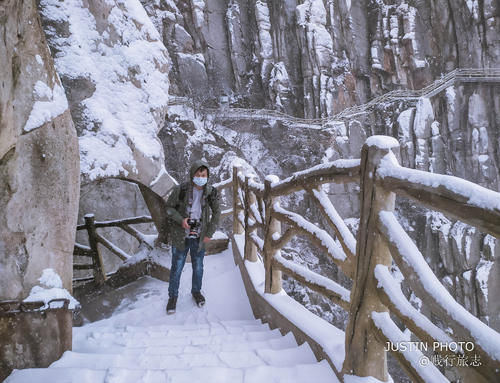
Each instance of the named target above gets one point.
<point>195,166</point>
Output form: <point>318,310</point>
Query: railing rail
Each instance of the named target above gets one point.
<point>375,295</point>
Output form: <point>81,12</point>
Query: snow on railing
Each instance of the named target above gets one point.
<point>223,184</point>
<point>472,344</point>
<point>316,282</point>
<point>257,200</point>
<point>348,241</point>
<point>423,281</point>
<point>410,358</point>
<point>320,236</point>
<point>371,331</point>
<point>390,291</point>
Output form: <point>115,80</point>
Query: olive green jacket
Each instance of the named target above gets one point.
<point>177,210</point>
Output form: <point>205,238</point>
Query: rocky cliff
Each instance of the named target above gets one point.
<point>315,57</point>
<point>39,158</point>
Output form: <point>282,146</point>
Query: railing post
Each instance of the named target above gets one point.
<point>272,226</point>
<point>99,272</point>
<point>237,226</point>
<point>250,248</point>
<point>365,355</point>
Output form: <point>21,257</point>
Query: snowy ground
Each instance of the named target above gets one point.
<point>221,342</point>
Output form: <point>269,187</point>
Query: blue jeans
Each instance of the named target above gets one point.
<point>178,260</point>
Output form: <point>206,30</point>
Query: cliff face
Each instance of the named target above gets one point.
<point>315,57</point>
<point>39,161</point>
<point>101,75</point>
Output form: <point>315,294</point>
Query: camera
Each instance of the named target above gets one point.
<point>194,228</point>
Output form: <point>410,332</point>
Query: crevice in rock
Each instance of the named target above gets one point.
<point>452,18</point>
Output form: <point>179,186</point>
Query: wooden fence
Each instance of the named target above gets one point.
<point>92,252</point>
<point>472,345</point>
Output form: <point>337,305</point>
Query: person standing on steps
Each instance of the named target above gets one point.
<point>193,211</point>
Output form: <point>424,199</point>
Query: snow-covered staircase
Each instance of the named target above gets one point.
<point>220,342</point>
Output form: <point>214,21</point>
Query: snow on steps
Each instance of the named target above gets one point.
<point>218,353</point>
<point>219,343</point>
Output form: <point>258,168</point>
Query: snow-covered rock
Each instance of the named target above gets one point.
<point>115,67</point>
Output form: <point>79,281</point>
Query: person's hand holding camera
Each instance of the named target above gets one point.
<point>185,223</point>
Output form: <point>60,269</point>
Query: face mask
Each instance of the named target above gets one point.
<point>200,181</point>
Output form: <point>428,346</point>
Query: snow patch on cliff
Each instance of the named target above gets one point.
<point>49,104</point>
<point>198,7</point>
<point>265,41</point>
<point>279,84</point>
<point>482,275</point>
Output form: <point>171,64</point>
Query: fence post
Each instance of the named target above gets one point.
<point>99,272</point>
<point>272,226</point>
<point>250,248</point>
<point>237,226</point>
<point>365,355</point>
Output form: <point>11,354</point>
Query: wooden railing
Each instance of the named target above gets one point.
<point>376,295</point>
<point>92,251</point>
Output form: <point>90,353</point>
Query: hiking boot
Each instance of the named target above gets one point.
<point>199,299</point>
<point>172,302</point>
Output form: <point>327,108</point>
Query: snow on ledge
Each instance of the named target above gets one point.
<point>50,288</point>
<point>329,337</point>
<point>127,64</point>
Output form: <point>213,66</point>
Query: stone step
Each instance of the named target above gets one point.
<point>183,324</point>
<point>170,332</point>
<point>302,373</point>
<point>287,341</point>
<point>233,359</point>
<point>287,357</point>
<point>159,339</point>
<point>158,362</point>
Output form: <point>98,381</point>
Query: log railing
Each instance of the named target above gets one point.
<point>471,348</point>
<point>92,251</point>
